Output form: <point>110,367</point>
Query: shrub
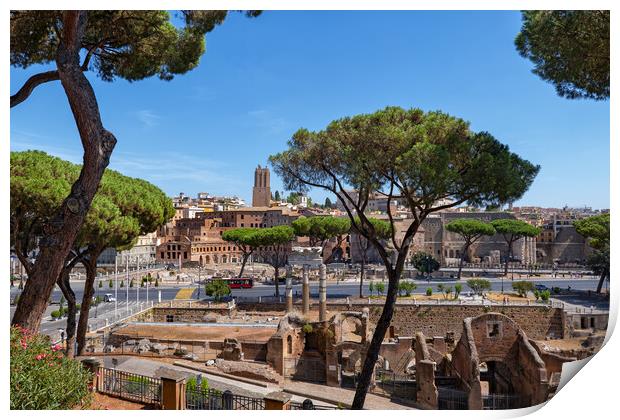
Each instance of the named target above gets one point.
<point>217,288</point>
<point>42,378</point>
<point>100,284</point>
<point>122,283</point>
<point>544,295</point>
<point>380,287</point>
<point>131,283</point>
<point>194,386</point>
<point>429,291</point>
<point>371,287</point>
<point>56,314</point>
<point>555,290</point>
<point>479,285</point>
<point>110,284</point>
<point>447,292</point>
<point>307,328</point>
<point>406,287</point>
<point>536,294</point>
<point>458,288</point>
<point>522,287</point>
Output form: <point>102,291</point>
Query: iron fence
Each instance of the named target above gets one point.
<point>395,384</point>
<point>308,405</point>
<point>501,402</point>
<point>129,386</point>
<point>452,399</point>
<point>212,399</point>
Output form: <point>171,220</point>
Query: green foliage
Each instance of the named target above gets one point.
<point>406,287</point>
<point>470,228</point>
<point>458,288</point>
<point>569,48</point>
<point>42,378</point>
<point>100,285</point>
<point>321,228</point>
<point>307,328</point>
<point>555,290</point>
<point>429,291</point>
<point>193,386</point>
<point>545,295</point>
<point>522,287</point>
<point>122,209</point>
<point>515,229</point>
<point>276,196</point>
<point>597,230</point>
<point>110,284</point>
<point>431,153</point>
<point>122,284</point>
<point>380,286</point>
<point>424,263</point>
<point>217,288</point>
<point>131,283</point>
<point>478,286</point>
<point>129,44</point>
<point>371,287</point>
<point>56,314</point>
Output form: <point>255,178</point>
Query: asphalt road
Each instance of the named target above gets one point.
<point>130,299</point>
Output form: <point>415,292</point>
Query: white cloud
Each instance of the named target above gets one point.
<point>148,118</point>
<point>266,121</point>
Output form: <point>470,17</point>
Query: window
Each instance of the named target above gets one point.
<point>185,255</point>
<point>494,329</point>
<point>169,318</point>
<point>162,255</point>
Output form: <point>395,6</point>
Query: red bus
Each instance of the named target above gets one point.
<point>239,282</point>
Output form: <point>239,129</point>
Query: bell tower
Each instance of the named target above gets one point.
<point>261,193</point>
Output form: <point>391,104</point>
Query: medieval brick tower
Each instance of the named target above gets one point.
<point>261,194</point>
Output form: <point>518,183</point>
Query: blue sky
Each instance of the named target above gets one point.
<point>262,79</point>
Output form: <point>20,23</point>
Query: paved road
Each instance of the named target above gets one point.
<point>345,288</point>
<point>130,300</point>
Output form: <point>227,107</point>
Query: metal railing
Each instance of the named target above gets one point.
<point>212,399</point>
<point>501,402</point>
<point>452,399</point>
<point>129,386</point>
<point>308,405</point>
<point>395,384</point>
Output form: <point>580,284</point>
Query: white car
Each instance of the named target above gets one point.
<point>108,297</point>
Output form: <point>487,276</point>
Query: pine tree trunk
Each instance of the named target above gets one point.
<point>372,353</point>
<point>458,276</point>
<point>601,281</point>
<point>277,279</point>
<point>65,287</point>
<point>89,291</point>
<point>362,278</point>
<point>243,262</point>
<point>98,143</point>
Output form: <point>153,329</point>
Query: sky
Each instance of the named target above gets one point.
<point>262,79</point>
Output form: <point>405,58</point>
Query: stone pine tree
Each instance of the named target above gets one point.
<point>122,209</point>
<point>425,157</point>
<point>512,230</point>
<point>569,48</point>
<point>274,248</point>
<point>246,240</point>
<point>321,229</point>
<point>597,230</point>
<point>470,230</point>
<point>131,45</point>
<point>384,232</point>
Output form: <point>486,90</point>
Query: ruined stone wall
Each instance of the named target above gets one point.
<point>189,315</point>
<point>435,320</point>
<point>538,322</point>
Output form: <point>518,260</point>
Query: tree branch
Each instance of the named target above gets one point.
<point>38,79</point>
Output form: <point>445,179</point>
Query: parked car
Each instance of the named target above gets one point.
<point>541,287</point>
<point>108,297</point>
